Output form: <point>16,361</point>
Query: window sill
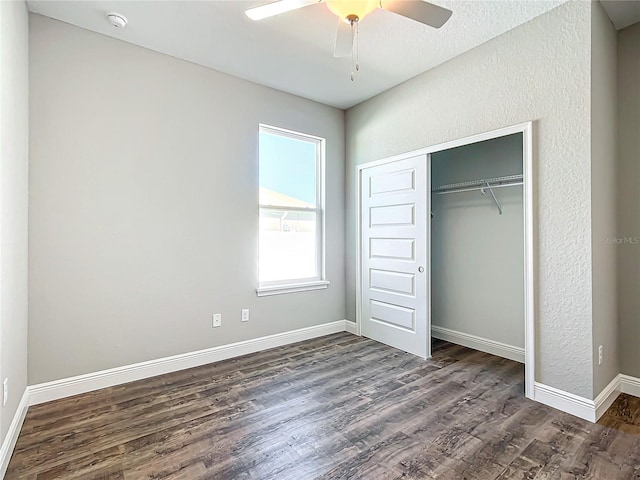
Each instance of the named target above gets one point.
<point>292,288</point>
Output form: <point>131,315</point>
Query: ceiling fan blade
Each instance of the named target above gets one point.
<point>344,40</point>
<point>276,8</point>
<point>420,11</point>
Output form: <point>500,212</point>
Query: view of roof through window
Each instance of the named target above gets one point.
<point>287,171</point>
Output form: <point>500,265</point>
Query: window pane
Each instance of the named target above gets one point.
<point>287,171</point>
<point>287,245</point>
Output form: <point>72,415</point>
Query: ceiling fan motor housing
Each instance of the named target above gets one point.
<point>348,9</point>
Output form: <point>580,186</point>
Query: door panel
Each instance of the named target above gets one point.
<point>393,315</point>
<point>392,215</point>
<point>393,182</point>
<point>395,248</point>
<point>394,245</point>
<point>393,282</point>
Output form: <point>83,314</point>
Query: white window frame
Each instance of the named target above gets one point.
<point>318,282</point>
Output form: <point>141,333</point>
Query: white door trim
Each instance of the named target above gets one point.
<point>529,253</point>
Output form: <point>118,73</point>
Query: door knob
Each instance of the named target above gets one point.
<point>421,269</point>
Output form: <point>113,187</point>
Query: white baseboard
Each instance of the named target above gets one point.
<point>590,410</point>
<point>606,397</point>
<point>12,434</point>
<point>629,385</point>
<point>66,387</point>
<point>350,327</point>
<point>565,401</point>
<point>479,343</point>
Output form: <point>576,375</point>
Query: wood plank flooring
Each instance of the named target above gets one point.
<point>337,407</point>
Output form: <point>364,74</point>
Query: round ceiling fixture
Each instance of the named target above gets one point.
<point>117,20</point>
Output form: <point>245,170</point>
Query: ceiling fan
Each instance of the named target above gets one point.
<point>351,12</point>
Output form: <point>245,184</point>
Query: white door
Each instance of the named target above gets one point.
<point>395,221</point>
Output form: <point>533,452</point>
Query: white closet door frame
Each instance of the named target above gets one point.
<point>526,129</point>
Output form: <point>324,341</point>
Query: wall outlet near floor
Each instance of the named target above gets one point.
<point>5,391</point>
<point>217,320</point>
<point>245,315</point>
<point>600,354</point>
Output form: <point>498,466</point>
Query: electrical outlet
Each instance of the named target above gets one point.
<point>5,391</point>
<point>245,315</point>
<point>600,354</point>
<point>217,320</point>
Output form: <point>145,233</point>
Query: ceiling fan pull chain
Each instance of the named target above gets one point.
<point>357,46</point>
<point>353,39</point>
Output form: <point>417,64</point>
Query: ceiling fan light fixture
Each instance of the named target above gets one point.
<point>346,9</point>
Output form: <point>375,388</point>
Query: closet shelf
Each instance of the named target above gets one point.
<point>483,185</point>
<point>508,181</point>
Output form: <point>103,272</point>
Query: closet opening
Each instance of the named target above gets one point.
<point>445,247</point>
<point>477,246</point>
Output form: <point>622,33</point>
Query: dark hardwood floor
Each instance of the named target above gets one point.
<point>336,407</point>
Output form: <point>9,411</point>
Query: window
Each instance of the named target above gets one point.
<point>291,216</point>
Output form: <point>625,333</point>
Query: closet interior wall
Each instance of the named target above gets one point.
<point>477,254</point>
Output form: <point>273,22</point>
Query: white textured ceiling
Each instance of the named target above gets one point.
<point>294,51</point>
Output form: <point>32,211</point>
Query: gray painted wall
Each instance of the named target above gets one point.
<point>477,254</point>
<point>144,205</point>
<point>629,198</point>
<point>603,196</point>
<point>539,71</point>
<point>14,168</point>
